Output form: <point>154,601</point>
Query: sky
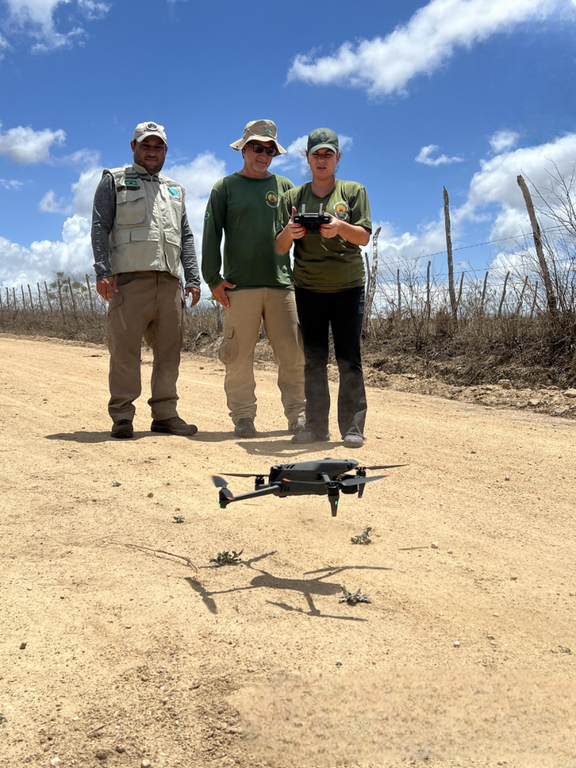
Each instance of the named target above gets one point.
<point>462,94</point>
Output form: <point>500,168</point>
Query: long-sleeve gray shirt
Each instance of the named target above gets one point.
<point>103,216</point>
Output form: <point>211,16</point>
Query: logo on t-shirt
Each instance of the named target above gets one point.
<point>207,215</point>
<point>341,210</point>
<point>272,199</point>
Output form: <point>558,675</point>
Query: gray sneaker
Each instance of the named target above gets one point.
<point>308,436</point>
<point>353,440</point>
<point>174,426</point>
<point>297,426</point>
<point>244,428</point>
<point>122,429</point>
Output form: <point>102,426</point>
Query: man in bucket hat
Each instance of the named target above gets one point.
<point>142,242</point>
<point>253,281</point>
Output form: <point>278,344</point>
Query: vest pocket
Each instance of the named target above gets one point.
<point>130,207</point>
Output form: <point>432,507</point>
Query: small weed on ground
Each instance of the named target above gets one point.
<point>227,558</point>
<point>353,597</point>
<point>362,538</point>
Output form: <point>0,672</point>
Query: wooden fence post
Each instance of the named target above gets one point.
<point>90,294</point>
<point>60,297</point>
<point>453,303</point>
<point>14,297</point>
<point>7,299</point>
<point>371,286</point>
<point>521,299</point>
<point>31,302</point>
<point>22,292</point>
<point>534,300</point>
<point>503,294</point>
<point>399,295</point>
<point>550,295</point>
<point>48,296</point>
<point>73,299</point>
<point>39,298</point>
<point>428,306</point>
<point>483,300</point>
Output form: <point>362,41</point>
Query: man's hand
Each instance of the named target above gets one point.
<point>219,293</point>
<point>331,229</point>
<point>194,292</point>
<point>106,286</point>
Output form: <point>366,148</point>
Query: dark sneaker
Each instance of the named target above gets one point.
<point>174,426</point>
<point>244,428</point>
<point>308,436</point>
<point>353,441</point>
<point>122,429</point>
<point>297,426</point>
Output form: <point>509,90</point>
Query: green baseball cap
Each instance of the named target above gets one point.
<point>323,138</point>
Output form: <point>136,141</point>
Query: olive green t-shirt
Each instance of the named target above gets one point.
<point>328,264</point>
<point>245,209</point>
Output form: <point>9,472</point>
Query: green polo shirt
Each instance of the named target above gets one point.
<point>245,210</point>
<point>328,264</point>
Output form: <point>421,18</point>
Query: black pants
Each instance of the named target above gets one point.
<point>344,311</point>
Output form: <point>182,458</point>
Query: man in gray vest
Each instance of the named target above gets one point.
<point>142,241</point>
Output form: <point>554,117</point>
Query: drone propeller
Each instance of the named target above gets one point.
<point>380,466</point>
<point>243,474</point>
<point>219,482</point>
<point>359,480</point>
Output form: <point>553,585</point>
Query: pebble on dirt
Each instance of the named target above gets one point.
<point>457,644</point>
<point>435,545</point>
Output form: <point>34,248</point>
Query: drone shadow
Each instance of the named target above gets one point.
<point>307,587</point>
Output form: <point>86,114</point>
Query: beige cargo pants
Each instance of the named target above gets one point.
<point>148,305</point>
<point>248,307</point>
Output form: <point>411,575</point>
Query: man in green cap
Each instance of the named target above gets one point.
<point>254,282</point>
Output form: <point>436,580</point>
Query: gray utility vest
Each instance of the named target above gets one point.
<point>147,231</point>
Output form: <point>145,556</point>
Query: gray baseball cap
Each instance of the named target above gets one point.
<point>323,138</point>
<point>149,129</point>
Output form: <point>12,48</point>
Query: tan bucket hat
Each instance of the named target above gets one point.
<point>259,130</point>
<point>149,129</point>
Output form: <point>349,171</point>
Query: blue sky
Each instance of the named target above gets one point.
<point>464,94</point>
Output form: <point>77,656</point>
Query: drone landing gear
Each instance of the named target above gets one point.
<point>333,496</point>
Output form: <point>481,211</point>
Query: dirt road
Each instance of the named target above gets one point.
<point>112,654</point>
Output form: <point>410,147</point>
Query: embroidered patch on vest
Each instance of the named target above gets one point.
<point>272,199</point>
<point>131,184</point>
<point>173,191</point>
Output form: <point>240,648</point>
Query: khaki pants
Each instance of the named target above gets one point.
<point>149,305</point>
<point>241,327</point>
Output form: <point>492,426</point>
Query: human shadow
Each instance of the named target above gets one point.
<point>306,587</point>
<point>105,437</point>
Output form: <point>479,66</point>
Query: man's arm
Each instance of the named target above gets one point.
<point>103,215</point>
<point>189,262</point>
<point>211,256</point>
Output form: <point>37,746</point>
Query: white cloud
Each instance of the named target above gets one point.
<point>35,18</point>
<point>26,146</point>
<point>49,204</point>
<point>71,255</point>
<point>11,183</point>
<point>504,140</point>
<point>386,65</point>
<point>424,156</point>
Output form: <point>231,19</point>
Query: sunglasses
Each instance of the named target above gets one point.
<point>259,148</point>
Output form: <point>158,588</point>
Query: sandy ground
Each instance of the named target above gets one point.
<point>113,654</point>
